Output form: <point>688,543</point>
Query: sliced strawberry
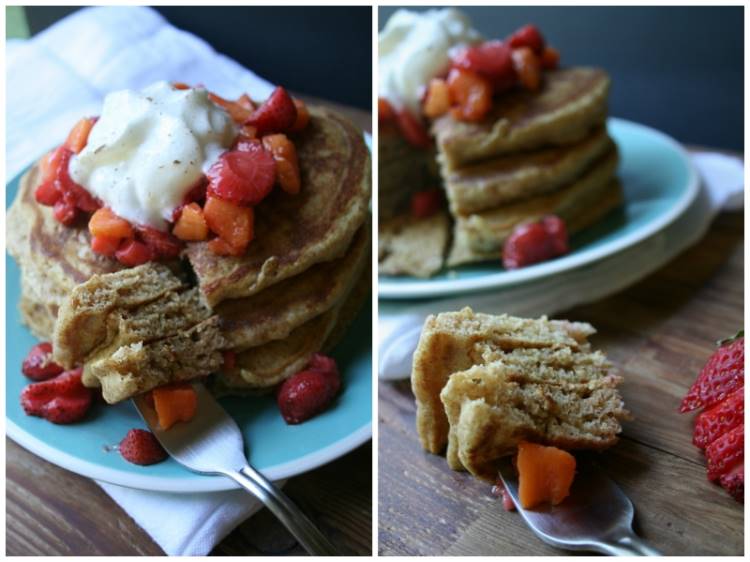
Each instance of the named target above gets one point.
<point>162,244</point>
<point>412,129</point>
<point>385,111</point>
<point>734,482</point>
<point>133,253</point>
<point>65,212</point>
<point>141,447</point>
<point>47,193</point>
<point>723,417</point>
<point>723,374</point>
<point>527,36</point>
<point>277,114</point>
<point>38,364</point>
<point>61,400</point>
<point>243,176</point>
<point>491,59</point>
<point>725,452</point>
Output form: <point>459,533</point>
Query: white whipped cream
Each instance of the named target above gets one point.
<point>149,148</point>
<point>415,47</point>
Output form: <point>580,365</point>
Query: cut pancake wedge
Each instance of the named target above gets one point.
<point>413,246</point>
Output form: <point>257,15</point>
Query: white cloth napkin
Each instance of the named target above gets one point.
<point>400,323</point>
<point>63,74</point>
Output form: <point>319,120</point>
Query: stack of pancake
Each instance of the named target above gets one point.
<point>536,153</point>
<point>292,294</point>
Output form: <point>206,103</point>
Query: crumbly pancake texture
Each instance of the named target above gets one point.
<point>480,236</point>
<point>294,232</point>
<point>411,246</point>
<point>492,408</point>
<point>455,341</point>
<point>570,103</point>
<point>276,311</point>
<point>516,177</point>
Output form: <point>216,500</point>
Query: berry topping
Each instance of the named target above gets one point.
<point>492,60</point>
<point>527,36</point>
<point>412,129</point>
<point>722,375</point>
<point>141,447</point>
<point>162,244</point>
<point>426,203</point>
<point>133,252</point>
<point>528,68</point>
<point>245,176</point>
<point>471,92</point>
<point>385,111</point>
<point>535,242</point>
<point>61,400</point>
<point>38,364</point>
<point>278,114</point>
<point>310,391</point>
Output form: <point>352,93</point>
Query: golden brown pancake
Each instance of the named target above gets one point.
<point>413,246</point>
<point>294,232</point>
<point>569,104</point>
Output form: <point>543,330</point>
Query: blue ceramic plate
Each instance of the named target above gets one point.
<point>659,183</point>
<point>277,449</point>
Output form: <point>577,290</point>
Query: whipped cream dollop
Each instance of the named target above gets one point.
<point>149,148</point>
<point>415,47</point>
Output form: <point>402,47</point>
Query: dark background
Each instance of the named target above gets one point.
<point>324,52</point>
<point>677,69</point>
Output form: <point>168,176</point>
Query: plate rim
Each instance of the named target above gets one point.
<point>441,288</point>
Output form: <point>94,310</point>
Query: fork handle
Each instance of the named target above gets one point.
<point>629,544</point>
<point>306,533</point>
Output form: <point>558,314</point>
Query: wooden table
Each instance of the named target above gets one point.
<point>53,512</point>
<point>659,333</point>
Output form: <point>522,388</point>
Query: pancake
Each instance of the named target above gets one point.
<point>569,104</point>
<point>480,236</point>
<point>267,365</point>
<point>294,232</point>
<point>411,246</point>
<point>53,258</point>
<point>516,177</point>
<point>274,312</point>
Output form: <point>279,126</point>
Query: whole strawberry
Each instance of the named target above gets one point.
<point>719,428</point>
<point>141,447</point>
<point>310,391</point>
<point>62,399</point>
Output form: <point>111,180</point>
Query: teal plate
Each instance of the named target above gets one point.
<point>659,182</point>
<point>277,449</point>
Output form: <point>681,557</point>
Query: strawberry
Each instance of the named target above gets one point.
<point>61,400</point>
<point>65,212</point>
<point>310,391</point>
<point>723,374</point>
<point>133,252</point>
<point>527,36</point>
<point>734,482</point>
<point>243,176</point>
<point>162,244</point>
<point>38,364</point>
<point>426,203</point>
<point>141,447</point>
<point>535,242</point>
<point>724,453</point>
<point>278,114</point>
<point>492,60</point>
<point>722,417</point>
<point>412,129</point>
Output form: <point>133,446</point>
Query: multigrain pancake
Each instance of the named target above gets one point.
<point>294,232</point>
<point>274,312</point>
<point>413,246</point>
<point>455,341</point>
<point>265,366</point>
<point>569,104</point>
<point>480,236</point>
<point>515,177</point>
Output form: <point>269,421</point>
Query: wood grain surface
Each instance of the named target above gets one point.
<point>53,512</point>
<point>658,333</point>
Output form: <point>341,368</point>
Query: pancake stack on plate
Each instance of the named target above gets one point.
<point>293,293</point>
<point>536,153</point>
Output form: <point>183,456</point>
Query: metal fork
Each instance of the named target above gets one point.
<point>596,516</point>
<point>211,443</point>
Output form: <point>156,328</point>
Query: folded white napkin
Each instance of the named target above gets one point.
<point>63,74</point>
<point>400,322</point>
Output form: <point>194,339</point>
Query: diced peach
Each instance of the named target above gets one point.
<point>192,224</point>
<point>238,113</point>
<point>105,246</point>
<point>221,247</point>
<point>545,474</point>
<point>471,92</point>
<point>105,223</point>
<point>385,111</point>
<point>180,86</point>
<point>550,58</point>
<point>232,223</point>
<point>438,99</point>
<point>287,166</point>
<point>79,135</point>
<point>303,116</point>
<point>245,101</point>
<point>528,68</point>
<point>174,403</point>
<point>50,162</point>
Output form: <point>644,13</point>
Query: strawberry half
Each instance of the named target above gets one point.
<point>141,447</point>
<point>39,365</point>
<point>309,392</point>
<point>722,375</point>
<point>243,176</point>
<point>61,400</point>
<point>276,115</point>
<point>723,417</point>
<point>726,452</point>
